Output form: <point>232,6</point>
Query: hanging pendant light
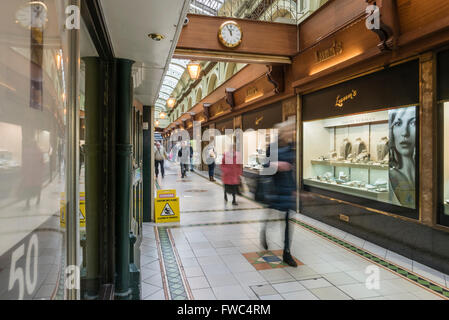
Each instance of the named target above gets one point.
<point>162,115</point>
<point>194,69</point>
<point>156,123</point>
<point>171,102</point>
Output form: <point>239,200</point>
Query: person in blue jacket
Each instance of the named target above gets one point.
<point>283,189</point>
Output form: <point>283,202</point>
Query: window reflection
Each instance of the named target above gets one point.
<point>33,81</point>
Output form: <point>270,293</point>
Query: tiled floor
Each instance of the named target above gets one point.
<point>190,260</point>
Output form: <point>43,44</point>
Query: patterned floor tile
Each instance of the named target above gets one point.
<point>266,260</point>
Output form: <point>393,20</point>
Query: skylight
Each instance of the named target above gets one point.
<point>171,79</point>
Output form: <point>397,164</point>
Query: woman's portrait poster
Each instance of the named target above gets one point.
<point>402,171</point>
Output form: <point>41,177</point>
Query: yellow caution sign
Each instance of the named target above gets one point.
<point>166,206</point>
<point>82,213</point>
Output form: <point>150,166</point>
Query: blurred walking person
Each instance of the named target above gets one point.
<point>184,158</point>
<point>191,156</point>
<point>210,161</point>
<point>32,172</point>
<point>230,174</point>
<point>159,157</point>
<point>282,191</point>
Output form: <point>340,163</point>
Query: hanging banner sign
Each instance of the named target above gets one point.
<point>166,206</point>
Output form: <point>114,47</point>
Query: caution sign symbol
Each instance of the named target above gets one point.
<point>166,207</point>
<point>167,211</point>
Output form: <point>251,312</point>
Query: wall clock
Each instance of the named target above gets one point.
<point>230,34</point>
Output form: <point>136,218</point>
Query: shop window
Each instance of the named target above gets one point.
<point>445,164</point>
<point>255,145</point>
<point>443,135</point>
<point>370,155</point>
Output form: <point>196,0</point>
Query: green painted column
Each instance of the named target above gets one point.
<point>93,173</point>
<point>147,159</point>
<point>123,178</point>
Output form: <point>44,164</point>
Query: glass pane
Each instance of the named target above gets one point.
<point>446,158</point>
<point>33,82</point>
<point>370,155</point>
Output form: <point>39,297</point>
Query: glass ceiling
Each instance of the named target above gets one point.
<point>178,66</point>
<point>209,7</point>
<point>174,73</point>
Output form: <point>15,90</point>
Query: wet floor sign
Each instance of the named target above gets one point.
<point>166,206</point>
<point>82,208</point>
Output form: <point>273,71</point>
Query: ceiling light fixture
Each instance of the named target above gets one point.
<point>156,123</point>
<point>162,115</point>
<point>194,69</point>
<point>156,36</point>
<point>171,102</point>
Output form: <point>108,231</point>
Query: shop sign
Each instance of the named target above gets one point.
<point>166,206</point>
<point>252,93</point>
<point>372,117</point>
<point>341,100</point>
<point>391,87</point>
<point>333,51</point>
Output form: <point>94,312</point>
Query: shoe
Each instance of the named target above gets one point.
<point>288,259</point>
<point>234,203</point>
<point>263,239</point>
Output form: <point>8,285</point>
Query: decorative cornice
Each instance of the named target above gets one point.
<point>206,107</point>
<point>230,97</point>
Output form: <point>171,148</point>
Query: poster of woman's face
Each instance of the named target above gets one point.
<point>402,126</point>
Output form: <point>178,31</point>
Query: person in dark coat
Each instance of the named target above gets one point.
<point>191,157</point>
<point>283,188</point>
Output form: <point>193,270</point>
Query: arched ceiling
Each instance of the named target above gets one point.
<point>209,7</point>
<point>177,67</point>
<point>171,79</point>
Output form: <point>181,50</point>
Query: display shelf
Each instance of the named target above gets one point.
<point>334,163</point>
<point>371,194</point>
<point>251,169</point>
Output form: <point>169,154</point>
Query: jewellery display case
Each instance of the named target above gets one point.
<point>350,155</point>
<point>255,144</point>
<point>446,158</point>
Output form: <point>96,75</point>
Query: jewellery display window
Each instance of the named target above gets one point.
<point>370,155</point>
<point>445,163</point>
<point>443,136</point>
<point>221,145</point>
<point>255,144</point>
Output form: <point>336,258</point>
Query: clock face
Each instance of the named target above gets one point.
<point>230,34</point>
<point>32,15</point>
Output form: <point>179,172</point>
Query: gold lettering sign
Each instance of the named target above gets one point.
<point>325,54</point>
<point>258,120</point>
<point>251,91</point>
<point>341,100</point>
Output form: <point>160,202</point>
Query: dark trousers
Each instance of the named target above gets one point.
<point>211,169</point>
<point>184,169</point>
<point>287,232</point>
<point>156,169</point>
